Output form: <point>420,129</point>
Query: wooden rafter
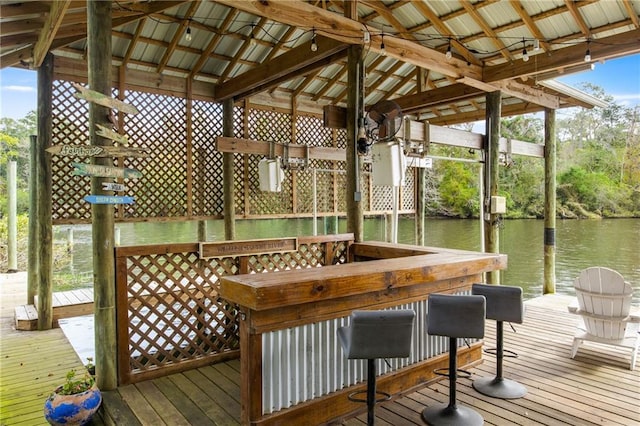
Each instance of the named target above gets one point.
<point>443,29</point>
<point>530,24</point>
<point>134,41</point>
<point>577,17</point>
<point>215,40</point>
<point>631,12</point>
<point>486,28</point>
<point>291,64</point>
<point>177,36</point>
<point>245,46</point>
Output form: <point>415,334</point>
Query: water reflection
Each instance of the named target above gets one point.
<point>614,243</point>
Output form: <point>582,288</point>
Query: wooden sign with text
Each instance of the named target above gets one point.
<point>108,133</point>
<point>108,199</point>
<point>96,151</point>
<point>83,169</point>
<point>247,247</point>
<point>102,99</point>
<point>112,186</point>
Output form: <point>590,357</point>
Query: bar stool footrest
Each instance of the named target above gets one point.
<point>464,374</point>
<point>352,396</point>
<point>505,352</point>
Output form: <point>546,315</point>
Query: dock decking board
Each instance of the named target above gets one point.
<point>595,388</point>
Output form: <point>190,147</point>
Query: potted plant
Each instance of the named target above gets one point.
<point>75,401</point>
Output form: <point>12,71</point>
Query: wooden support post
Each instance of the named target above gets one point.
<point>12,210</point>
<point>492,243</point>
<point>549,201</point>
<point>227,174</point>
<point>102,215</point>
<point>202,230</point>
<point>420,204</point>
<point>44,225</point>
<point>189,148</point>
<point>33,263</point>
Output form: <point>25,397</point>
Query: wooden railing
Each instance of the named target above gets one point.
<point>288,323</point>
<point>170,316</point>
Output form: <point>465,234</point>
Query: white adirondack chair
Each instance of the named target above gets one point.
<point>604,302</point>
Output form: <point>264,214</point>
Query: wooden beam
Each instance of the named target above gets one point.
<point>49,30</point>
<point>434,97</point>
<point>15,57</point>
<point>351,31</point>
<point>609,47</point>
<point>282,68</point>
<point>517,90</point>
<point>248,146</point>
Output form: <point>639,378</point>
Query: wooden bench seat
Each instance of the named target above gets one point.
<point>66,304</point>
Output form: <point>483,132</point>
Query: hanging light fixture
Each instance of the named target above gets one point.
<point>383,52</point>
<point>449,54</point>
<point>187,35</point>
<point>314,44</point>
<point>525,54</point>
<point>587,54</point>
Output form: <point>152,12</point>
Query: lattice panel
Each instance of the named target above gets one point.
<point>341,138</point>
<point>161,127</point>
<point>70,126</point>
<point>408,190</point>
<point>269,126</point>
<point>206,176</point>
<point>267,203</point>
<point>174,312</point>
<point>311,131</point>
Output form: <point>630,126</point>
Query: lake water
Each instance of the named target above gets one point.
<point>614,243</point>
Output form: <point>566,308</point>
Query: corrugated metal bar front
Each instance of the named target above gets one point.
<point>307,362</point>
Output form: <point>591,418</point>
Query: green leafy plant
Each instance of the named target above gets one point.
<point>77,384</point>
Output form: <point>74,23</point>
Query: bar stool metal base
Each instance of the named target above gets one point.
<point>446,415</point>
<point>499,388</point>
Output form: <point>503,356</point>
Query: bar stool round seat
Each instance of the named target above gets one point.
<point>372,335</point>
<point>455,317</point>
<point>504,303</point>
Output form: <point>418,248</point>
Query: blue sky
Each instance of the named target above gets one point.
<point>619,78</point>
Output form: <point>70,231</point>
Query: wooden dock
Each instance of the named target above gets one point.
<point>66,304</point>
<point>596,388</point>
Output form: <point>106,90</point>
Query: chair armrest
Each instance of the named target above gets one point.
<point>573,306</point>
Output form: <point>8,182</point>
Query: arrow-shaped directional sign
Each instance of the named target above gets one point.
<point>108,133</point>
<point>83,169</point>
<point>102,99</point>
<point>108,199</point>
<point>97,151</point>
<point>112,186</point>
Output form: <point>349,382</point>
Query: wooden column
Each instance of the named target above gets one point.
<point>549,201</point>
<point>102,215</point>
<point>355,111</point>
<point>33,268</point>
<point>492,152</point>
<point>421,182</point>
<point>44,241</point>
<point>228,174</point>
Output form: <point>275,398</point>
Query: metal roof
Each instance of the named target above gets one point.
<point>219,41</point>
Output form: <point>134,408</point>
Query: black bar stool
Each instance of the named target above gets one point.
<point>504,303</point>
<point>372,335</point>
<point>455,317</point>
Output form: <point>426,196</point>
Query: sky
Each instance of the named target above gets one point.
<point>619,78</point>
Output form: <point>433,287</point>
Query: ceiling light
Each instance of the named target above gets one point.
<point>525,55</point>
<point>314,44</point>
<point>383,52</point>
<point>448,55</point>
<point>587,54</point>
<point>187,35</point>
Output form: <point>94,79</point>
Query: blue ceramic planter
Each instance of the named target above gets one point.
<point>74,409</point>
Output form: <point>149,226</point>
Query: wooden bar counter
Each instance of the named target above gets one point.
<point>292,367</point>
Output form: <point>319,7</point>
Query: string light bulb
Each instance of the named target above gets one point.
<point>587,54</point>
<point>448,55</point>
<point>383,51</point>
<point>314,43</point>
<point>187,35</point>
<point>525,54</point>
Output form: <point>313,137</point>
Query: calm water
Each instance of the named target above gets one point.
<point>614,243</point>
